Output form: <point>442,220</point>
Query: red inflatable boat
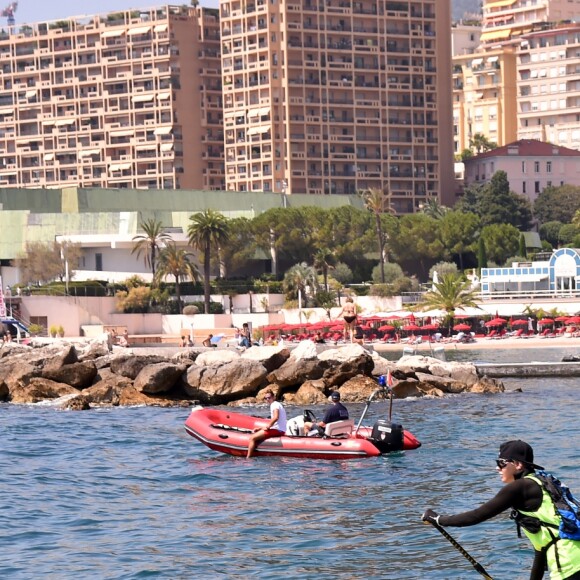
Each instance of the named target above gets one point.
<point>228,432</point>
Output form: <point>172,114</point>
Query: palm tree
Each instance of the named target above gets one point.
<point>324,260</point>
<point>374,201</point>
<point>176,262</point>
<point>149,242</point>
<point>433,208</point>
<point>453,291</point>
<point>208,230</point>
<point>298,278</point>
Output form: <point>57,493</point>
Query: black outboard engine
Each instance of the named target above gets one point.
<point>387,436</point>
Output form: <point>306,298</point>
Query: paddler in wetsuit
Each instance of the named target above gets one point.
<point>524,494</point>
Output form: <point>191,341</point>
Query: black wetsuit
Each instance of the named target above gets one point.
<point>522,494</point>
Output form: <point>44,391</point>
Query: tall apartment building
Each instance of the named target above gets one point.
<point>131,99</point>
<point>505,19</point>
<point>333,96</point>
<point>548,79</point>
<point>485,97</point>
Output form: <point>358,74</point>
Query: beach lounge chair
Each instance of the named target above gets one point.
<point>492,334</point>
<point>518,333</point>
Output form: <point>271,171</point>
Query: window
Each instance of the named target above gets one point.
<point>548,167</point>
<point>524,187</point>
<point>536,167</point>
<point>537,186</point>
<point>523,168</point>
<point>99,262</point>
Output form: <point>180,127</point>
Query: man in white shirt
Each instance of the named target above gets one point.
<point>276,425</point>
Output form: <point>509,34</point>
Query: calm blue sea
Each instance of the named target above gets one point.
<point>125,493</point>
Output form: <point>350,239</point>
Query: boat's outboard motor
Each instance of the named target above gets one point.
<point>387,436</point>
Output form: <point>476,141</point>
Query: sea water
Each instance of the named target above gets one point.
<point>126,493</point>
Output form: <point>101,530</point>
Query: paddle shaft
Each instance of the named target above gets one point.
<point>478,567</point>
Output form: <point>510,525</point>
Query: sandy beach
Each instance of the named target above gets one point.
<point>561,342</point>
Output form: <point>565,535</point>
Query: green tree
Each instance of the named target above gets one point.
<point>300,278</point>
<point>41,263</point>
<point>417,243</point>
<point>240,249</point>
<point>501,241</point>
<point>523,251</point>
<point>450,293</point>
<point>207,231</point>
<point>392,272</point>
<point>342,273</point>
<point>324,260</point>
<point>458,233</point>
<point>374,200</point>
<point>550,231</point>
<point>442,269</point>
<point>567,234</point>
<point>325,300</point>
<point>176,262</point>
<point>499,205</point>
<point>481,254</point>
<point>480,143</point>
<point>433,208</point>
<point>557,204</point>
<point>149,242</point>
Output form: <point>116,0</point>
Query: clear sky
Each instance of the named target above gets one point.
<point>42,10</point>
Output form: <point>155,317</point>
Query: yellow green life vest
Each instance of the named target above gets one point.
<point>563,555</point>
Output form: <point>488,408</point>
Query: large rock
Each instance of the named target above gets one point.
<point>357,389</point>
<point>214,356</point>
<point>60,356</point>
<point>222,383</point>
<point>311,393</point>
<point>129,365</point>
<point>4,391</point>
<point>40,389</point>
<point>158,378</point>
<point>295,371</point>
<point>78,375</point>
<point>270,357</point>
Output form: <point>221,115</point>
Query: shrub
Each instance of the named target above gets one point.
<point>190,309</point>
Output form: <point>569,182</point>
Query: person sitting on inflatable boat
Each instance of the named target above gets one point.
<point>336,412</point>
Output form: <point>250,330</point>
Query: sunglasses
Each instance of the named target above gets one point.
<point>501,463</point>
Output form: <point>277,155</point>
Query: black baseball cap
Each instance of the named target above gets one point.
<point>335,396</point>
<point>518,451</point>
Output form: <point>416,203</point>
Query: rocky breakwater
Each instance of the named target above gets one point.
<point>85,374</point>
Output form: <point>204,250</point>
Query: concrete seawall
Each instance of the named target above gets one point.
<point>536,369</point>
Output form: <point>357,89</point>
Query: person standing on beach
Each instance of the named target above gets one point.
<point>275,428</point>
<point>534,511</point>
<point>349,315</point>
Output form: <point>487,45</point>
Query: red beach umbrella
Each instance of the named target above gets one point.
<point>561,319</point>
<point>429,327</point>
<point>573,320</point>
<point>496,322</point>
<point>386,328</point>
<point>519,322</point>
<point>546,321</point>
<point>411,328</point>
<point>461,327</point>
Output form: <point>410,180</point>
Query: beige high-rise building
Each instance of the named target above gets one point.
<point>484,97</point>
<point>130,99</point>
<point>505,19</point>
<point>549,86</point>
<point>337,97</point>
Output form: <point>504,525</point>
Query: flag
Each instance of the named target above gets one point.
<point>389,379</point>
